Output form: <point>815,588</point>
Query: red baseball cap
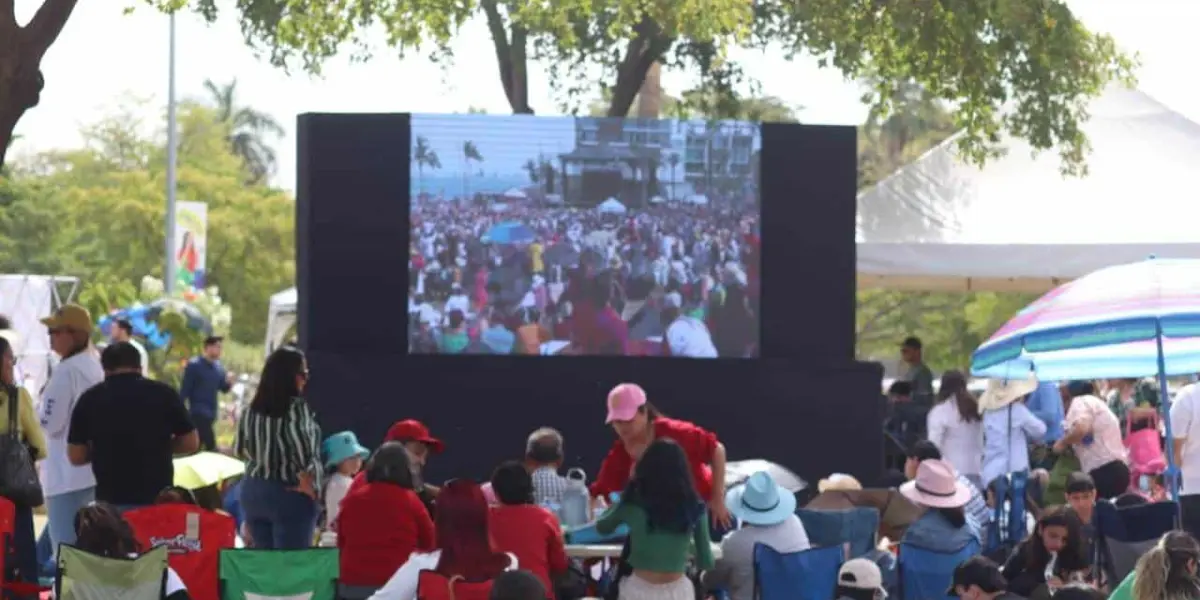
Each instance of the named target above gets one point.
<point>412,430</point>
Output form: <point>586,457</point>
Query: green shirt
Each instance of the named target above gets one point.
<point>1125,590</point>
<point>658,551</point>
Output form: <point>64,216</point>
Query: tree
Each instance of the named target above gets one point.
<point>21,53</point>
<point>97,212</point>
<point>248,130</point>
<point>707,102</point>
<point>424,156</point>
<point>470,155</point>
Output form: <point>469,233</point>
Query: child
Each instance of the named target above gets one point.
<point>343,458</point>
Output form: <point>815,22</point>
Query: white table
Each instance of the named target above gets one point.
<point>611,550</point>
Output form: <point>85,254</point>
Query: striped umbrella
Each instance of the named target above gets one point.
<point>1125,321</point>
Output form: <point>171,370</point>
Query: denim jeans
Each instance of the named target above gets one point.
<point>277,517</point>
<point>61,510</point>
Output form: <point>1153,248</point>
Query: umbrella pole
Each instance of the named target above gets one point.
<point>1164,404</point>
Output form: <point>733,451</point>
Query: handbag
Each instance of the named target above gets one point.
<point>18,478</point>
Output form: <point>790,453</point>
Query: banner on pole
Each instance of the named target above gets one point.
<point>191,241</point>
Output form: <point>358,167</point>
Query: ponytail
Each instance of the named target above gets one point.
<point>1163,573</point>
<point>1152,570</point>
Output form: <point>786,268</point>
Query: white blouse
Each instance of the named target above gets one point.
<point>403,585</point>
<point>961,442</point>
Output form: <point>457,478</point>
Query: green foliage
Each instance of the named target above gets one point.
<point>707,102</point>
<point>98,212</point>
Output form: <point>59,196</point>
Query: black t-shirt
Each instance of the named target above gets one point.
<point>130,422</point>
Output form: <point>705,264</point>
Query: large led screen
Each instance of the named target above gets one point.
<point>584,236</point>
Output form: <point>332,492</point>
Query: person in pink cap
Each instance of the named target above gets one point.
<point>638,423</point>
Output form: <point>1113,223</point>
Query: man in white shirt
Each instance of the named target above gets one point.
<point>1185,426</point>
<point>122,331</point>
<point>67,487</point>
<point>686,336</point>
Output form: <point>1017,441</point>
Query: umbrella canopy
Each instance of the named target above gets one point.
<point>1104,325</point>
<point>510,232</point>
<point>561,254</point>
<point>896,512</point>
<point>611,206</point>
<point>205,469</point>
<point>739,471</point>
<point>194,317</point>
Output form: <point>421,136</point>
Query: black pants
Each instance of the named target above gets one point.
<point>1112,479</point>
<point>1190,505</point>
<point>204,429</point>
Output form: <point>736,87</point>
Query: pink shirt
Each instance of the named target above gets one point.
<point>1103,443</point>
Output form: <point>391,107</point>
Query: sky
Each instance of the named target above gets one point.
<point>104,56</point>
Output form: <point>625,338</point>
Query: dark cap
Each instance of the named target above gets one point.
<point>912,341</point>
<point>979,571</point>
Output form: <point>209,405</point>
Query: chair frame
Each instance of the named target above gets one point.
<point>221,580</point>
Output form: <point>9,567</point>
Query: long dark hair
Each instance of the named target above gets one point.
<point>1071,558</point>
<point>662,486</point>
<point>5,346</point>
<point>461,529</point>
<point>954,383</point>
<point>1163,571</point>
<point>100,530</point>
<point>277,386</point>
<point>390,464</point>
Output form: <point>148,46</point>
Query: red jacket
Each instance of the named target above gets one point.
<point>698,443</point>
<point>532,534</point>
<point>379,525</point>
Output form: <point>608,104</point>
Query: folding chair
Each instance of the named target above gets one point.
<point>432,585</point>
<point>86,576</point>
<point>806,575</point>
<point>309,574</point>
<point>193,537</point>
<point>1124,534</point>
<point>858,527</point>
<point>925,574</point>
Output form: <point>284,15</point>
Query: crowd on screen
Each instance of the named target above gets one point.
<point>678,280</point>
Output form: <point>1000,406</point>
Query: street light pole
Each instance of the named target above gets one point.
<point>172,158</point>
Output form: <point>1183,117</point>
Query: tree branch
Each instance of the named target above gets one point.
<point>8,19</point>
<point>46,24</point>
<point>495,23</point>
<point>646,48</point>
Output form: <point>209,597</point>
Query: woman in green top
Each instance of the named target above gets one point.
<point>1166,572</point>
<point>666,517</point>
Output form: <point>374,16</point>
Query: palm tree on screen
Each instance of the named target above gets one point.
<point>424,156</point>
<point>470,155</point>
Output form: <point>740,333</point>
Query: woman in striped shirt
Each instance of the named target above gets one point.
<point>280,441</point>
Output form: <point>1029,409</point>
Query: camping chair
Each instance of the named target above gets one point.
<point>857,527</point>
<point>1008,526</point>
<point>1124,534</point>
<point>309,574</point>
<point>432,585</point>
<point>86,576</point>
<point>193,537</point>
<point>806,575</point>
<point>925,574</point>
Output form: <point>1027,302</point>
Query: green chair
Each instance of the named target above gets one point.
<point>310,574</point>
<point>85,576</point>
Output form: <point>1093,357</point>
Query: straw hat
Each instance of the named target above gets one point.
<point>1002,392</point>
<point>839,482</point>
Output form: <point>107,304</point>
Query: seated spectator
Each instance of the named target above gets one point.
<point>381,522</point>
<point>860,579</point>
<point>176,494</point>
<point>1056,535</point>
<point>767,513</point>
<point>464,548</point>
<point>518,585</point>
<point>344,458</point>
<point>100,530</point>
<point>543,457</point>
<point>522,528</point>
<point>944,527</point>
<point>1081,497</point>
<point>979,578</point>
<point>976,508</point>
<point>1167,571</point>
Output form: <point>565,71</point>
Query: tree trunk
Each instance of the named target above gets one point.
<point>21,52</point>
<point>511,57</point>
<point>646,48</point>
<point>650,95</point>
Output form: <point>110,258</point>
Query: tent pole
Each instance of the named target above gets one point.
<point>1164,404</point>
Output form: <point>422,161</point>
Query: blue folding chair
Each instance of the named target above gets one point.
<point>807,575</point>
<point>858,527</point>
<point>925,574</point>
<point>1124,534</point>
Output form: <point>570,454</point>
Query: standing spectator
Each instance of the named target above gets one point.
<point>1185,424</point>
<point>67,487</point>
<point>956,428</point>
<point>203,379</point>
<point>122,331</point>
<point>918,374</point>
<point>280,441</point>
<point>129,428</point>
<point>1095,435</point>
<point>543,458</point>
<point>30,433</point>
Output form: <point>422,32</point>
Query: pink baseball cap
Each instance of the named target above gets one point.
<point>624,402</point>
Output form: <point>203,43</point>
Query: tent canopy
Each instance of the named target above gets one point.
<point>281,315</point>
<point>611,206</point>
<point>1018,224</point>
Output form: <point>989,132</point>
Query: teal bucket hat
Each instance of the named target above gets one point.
<point>341,446</point>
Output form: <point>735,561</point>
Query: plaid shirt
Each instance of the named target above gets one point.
<point>976,508</point>
<point>548,486</point>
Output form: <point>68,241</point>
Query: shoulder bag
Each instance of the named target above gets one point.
<point>18,478</point>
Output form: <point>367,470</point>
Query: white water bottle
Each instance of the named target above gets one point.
<point>576,501</point>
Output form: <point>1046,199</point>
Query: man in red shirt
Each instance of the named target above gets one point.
<point>519,526</point>
<point>420,444</point>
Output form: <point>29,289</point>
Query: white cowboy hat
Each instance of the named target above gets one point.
<point>1002,392</point>
<point>936,486</point>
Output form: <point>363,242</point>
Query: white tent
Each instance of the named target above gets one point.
<point>26,300</point>
<point>281,316</point>
<point>1018,224</point>
<point>514,194</point>
<point>698,199</point>
<point>611,206</point>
